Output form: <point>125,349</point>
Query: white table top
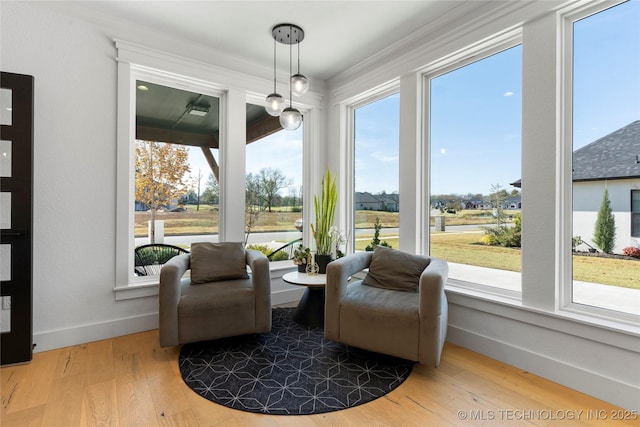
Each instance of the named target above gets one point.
<point>304,279</point>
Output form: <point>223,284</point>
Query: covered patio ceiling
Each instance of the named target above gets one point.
<point>166,114</point>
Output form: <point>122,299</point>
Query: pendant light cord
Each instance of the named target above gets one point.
<point>274,65</point>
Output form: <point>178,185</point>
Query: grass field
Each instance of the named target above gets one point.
<point>454,247</point>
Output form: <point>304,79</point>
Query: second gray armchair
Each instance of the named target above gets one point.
<point>400,309</point>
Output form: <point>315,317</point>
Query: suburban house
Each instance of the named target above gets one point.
<point>86,58</point>
<point>611,162</point>
<point>377,202</point>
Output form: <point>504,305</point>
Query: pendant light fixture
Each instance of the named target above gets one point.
<point>290,118</point>
<point>275,101</point>
<point>299,82</point>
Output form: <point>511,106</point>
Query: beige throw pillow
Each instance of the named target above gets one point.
<point>217,261</point>
<point>395,270</point>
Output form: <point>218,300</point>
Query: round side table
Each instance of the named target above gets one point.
<point>310,311</point>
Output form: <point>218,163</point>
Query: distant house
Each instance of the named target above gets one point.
<point>377,202</point>
<point>366,201</point>
<point>514,202</point>
<point>612,161</point>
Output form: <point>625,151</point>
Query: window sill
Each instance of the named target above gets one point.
<point>606,330</point>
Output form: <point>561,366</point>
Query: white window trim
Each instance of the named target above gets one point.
<point>131,73</point>
<point>565,185</point>
<point>507,41</point>
<point>233,88</point>
<point>348,144</point>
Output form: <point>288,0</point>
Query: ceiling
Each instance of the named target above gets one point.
<point>338,34</point>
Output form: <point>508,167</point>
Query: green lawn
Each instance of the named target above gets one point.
<point>454,247</point>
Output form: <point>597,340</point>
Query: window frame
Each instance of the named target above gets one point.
<point>462,59</point>
<point>238,87</point>
<point>126,153</point>
<point>565,177</point>
<point>349,108</point>
<point>635,214</point>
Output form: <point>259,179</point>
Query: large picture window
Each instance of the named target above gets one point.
<point>376,198</point>
<point>475,138</point>
<point>274,192</point>
<point>606,125</point>
<point>177,171</point>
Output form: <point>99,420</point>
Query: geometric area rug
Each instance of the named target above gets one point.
<point>291,370</point>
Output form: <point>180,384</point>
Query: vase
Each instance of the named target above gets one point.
<point>322,261</point>
<point>302,268</point>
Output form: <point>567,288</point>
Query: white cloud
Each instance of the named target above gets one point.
<point>387,158</point>
<point>508,93</point>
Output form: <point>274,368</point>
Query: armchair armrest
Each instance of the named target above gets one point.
<point>433,311</point>
<point>261,277</point>
<point>169,296</point>
<point>338,273</point>
<point>431,288</point>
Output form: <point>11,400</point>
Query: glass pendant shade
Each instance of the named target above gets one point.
<point>274,104</point>
<point>299,84</point>
<point>290,119</point>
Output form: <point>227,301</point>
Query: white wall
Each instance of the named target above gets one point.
<point>74,176</point>
<point>587,197</point>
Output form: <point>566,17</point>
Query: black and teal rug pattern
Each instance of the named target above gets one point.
<point>292,370</point>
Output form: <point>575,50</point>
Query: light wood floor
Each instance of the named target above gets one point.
<point>131,381</point>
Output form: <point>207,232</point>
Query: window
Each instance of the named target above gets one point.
<point>376,174</point>
<point>176,165</point>
<point>635,213</point>
<point>475,155</point>
<point>605,114</point>
<point>274,167</point>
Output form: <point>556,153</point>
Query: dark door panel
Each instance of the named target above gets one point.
<point>16,217</point>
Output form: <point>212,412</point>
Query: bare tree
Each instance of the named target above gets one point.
<point>272,181</point>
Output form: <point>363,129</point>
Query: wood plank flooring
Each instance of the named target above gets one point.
<point>131,381</point>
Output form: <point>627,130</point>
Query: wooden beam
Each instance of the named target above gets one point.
<point>149,133</point>
<point>212,162</point>
<point>264,127</point>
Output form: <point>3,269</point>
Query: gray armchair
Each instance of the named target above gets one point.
<point>410,324</point>
<point>191,312</point>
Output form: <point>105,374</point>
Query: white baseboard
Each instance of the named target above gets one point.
<point>50,340</point>
<point>596,385</point>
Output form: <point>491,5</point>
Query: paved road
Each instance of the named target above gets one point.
<point>287,236</point>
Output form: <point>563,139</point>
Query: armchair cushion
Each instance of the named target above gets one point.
<point>212,262</point>
<point>395,270</point>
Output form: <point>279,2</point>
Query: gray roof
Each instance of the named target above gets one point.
<point>615,156</point>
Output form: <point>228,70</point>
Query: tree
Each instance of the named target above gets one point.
<point>604,235</point>
<point>211,190</point>
<point>252,203</point>
<point>272,181</point>
<point>160,169</point>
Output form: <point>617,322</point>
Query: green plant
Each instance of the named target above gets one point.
<point>604,235</point>
<point>376,237</point>
<point>301,255</point>
<point>502,235</point>
<point>575,242</point>
<point>278,256</point>
<point>325,210</point>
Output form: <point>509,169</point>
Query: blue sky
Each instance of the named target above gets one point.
<point>476,114</point>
